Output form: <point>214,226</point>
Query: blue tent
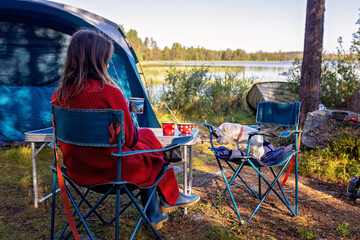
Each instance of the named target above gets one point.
<point>34,35</point>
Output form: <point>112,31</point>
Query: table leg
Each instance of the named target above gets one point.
<point>190,168</point>
<point>185,169</point>
<point>185,173</point>
<point>35,186</point>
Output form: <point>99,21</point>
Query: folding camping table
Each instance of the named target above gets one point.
<point>44,136</point>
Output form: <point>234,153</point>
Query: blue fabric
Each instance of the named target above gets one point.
<point>282,114</point>
<point>271,155</point>
<point>85,127</point>
<point>22,109</point>
<point>224,153</point>
<point>131,86</point>
<point>35,37</point>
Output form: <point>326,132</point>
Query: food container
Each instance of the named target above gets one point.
<point>185,127</point>
<point>168,128</point>
<point>136,105</point>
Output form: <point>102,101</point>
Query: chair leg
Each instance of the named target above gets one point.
<point>268,190</point>
<point>83,199</point>
<point>53,206</point>
<point>141,211</point>
<point>259,183</point>
<point>89,212</point>
<point>281,189</point>
<point>296,186</point>
<point>117,216</point>
<point>228,188</point>
<point>79,214</point>
<point>122,210</point>
<point>232,197</point>
<point>246,184</point>
<point>232,179</point>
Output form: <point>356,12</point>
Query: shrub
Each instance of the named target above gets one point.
<point>339,161</point>
<point>339,78</point>
<point>184,90</point>
<point>198,94</point>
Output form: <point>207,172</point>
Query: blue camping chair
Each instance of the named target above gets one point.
<point>276,114</point>
<point>93,128</point>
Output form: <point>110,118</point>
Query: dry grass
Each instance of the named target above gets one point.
<point>324,212</point>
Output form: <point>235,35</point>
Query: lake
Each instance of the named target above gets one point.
<point>261,71</point>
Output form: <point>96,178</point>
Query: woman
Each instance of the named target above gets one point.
<point>85,84</point>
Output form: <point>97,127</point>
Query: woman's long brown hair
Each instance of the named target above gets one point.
<point>88,56</point>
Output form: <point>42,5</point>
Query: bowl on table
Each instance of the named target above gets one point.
<point>168,128</point>
<point>185,127</point>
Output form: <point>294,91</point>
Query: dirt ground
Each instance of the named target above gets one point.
<point>324,212</point>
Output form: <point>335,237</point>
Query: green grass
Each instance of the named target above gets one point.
<point>344,229</point>
<point>338,162</point>
<point>20,220</point>
<point>18,214</point>
<point>309,232</point>
<point>215,233</point>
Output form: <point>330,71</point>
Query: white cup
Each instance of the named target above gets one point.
<point>136,105</point>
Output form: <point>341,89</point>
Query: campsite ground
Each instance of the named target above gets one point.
<point>324,212</point>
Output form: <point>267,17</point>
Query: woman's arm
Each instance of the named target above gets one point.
<point>117,101</point>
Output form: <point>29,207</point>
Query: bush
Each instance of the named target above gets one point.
<point>198,94</point>
<point>339,78</point>
<point>339,161</point>
<point>184,90</point>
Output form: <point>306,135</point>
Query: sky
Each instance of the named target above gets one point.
<point>251,25</point>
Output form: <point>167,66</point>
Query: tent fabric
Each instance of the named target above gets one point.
<point>34,35</point>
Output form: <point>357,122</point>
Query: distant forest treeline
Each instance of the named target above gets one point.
<point>148,50</point>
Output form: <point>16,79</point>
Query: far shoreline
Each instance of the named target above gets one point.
<point>215,61</point>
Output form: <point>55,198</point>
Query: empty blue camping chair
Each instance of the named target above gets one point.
<point>268,113</point>
<point>91,128</point>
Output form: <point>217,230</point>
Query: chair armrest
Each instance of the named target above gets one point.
<point>52,145</point>
<point>256,133</point>
<point>258,127</point>
<point>288,133</point>
<point>212,131</point>
<point>269,134</point>
<point>176,142</point>
<point>211,127</point>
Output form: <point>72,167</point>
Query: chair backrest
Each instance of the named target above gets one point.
<point>283,114</point>
<point>88,127</point>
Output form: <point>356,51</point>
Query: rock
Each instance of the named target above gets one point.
<point>320,130</point>
<point>196,217</point>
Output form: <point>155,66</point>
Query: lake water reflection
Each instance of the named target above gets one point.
<point>263,71</point>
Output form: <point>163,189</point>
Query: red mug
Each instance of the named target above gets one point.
<point>168,128</point>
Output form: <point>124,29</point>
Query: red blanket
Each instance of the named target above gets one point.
<point>92,165</point>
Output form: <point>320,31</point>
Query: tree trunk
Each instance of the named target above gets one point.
<point>311,65</point>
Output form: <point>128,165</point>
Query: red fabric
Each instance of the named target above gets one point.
<point>91,165</point>
<point>64,194</point>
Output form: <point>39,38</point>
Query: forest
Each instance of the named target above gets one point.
<point>148,50</point>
